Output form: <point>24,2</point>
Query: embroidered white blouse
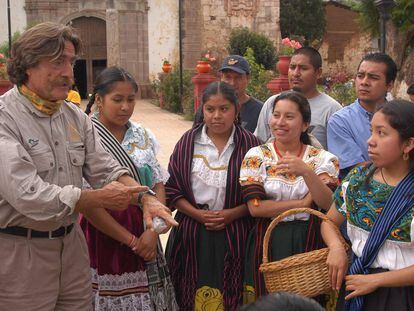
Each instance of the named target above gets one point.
<point>209,170</point>
<point>259,165</point>
<point>142,146</point>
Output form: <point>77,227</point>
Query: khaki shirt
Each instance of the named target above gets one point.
<point>42,161</point>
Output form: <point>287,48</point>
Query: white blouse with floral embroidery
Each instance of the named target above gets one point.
<point>259,166</point>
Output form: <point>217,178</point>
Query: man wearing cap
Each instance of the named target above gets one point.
<point>236,72</point>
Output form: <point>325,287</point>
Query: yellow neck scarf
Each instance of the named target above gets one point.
<point>43,105</point>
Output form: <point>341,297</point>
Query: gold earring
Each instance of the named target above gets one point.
<point>405,156</point>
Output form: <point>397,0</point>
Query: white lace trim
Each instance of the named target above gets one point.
<point>132,302</point>
<point>111,282</point>
<point>213,178</point>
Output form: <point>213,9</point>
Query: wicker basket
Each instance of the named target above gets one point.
<point>305,274</point>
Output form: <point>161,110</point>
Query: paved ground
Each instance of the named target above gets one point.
<point>167,127</point>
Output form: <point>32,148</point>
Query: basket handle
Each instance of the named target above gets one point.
<point>293,211</point>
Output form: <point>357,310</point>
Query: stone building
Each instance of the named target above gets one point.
<point>139,34</point>
<point>344,44</point>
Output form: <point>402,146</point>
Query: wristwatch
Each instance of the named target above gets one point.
<point>141,195</point>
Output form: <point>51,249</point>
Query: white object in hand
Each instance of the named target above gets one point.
<point>159,224</point>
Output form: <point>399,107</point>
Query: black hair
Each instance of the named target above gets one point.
<point>105,82</point>
<point>214,88</point>
<point>304,109</point>
<point>283,301</point>
<point>400,114</point>
<point>382,58</point>
<point>410,90</point>
<point>314,56</point>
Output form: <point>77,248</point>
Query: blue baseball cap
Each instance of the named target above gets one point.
<point>236,63</point>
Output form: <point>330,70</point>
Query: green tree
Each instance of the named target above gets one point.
<point>303,18</point>
<point>259,78</point>
<point>400,33</point>
<point>263,48</point>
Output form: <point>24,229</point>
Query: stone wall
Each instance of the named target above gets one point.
<point>162,34</point>
<point>208,24</point>
<point>344,44</point>
<point>126,26</point>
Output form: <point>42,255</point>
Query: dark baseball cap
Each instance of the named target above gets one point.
<point>236,63</point>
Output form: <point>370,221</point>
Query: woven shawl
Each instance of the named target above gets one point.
<point>182,244</point>
<point>400,201</point>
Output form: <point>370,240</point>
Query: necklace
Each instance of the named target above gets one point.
<point>281,156</point>
<point>383,178</point>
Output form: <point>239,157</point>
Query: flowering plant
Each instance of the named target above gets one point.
<point>288,46</point>
<point>207,57</point>
<point>3,71</point>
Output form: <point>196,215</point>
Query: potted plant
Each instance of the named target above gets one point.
<point>5,84</point>
<point>203,65</point>
<point>166,66</point>
<point>286,51</point>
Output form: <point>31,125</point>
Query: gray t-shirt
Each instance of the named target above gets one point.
<point>322,107</point>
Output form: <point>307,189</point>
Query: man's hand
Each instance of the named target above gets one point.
<point>114,196</point>
<point>152,207</point>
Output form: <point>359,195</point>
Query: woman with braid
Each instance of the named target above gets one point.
<point>134,277</point>
<point>377,200</point>
<point>205,253</point>
<point>280,175</point>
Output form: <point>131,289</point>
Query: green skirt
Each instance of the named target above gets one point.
<point>210,259</point>
<point>287,239</point>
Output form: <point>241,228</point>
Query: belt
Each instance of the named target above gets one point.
<point>30,233</point>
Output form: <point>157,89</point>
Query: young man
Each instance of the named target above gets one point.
<point>235,71</point>
<point>46,146</point>
<point>349,128</point>
<point>304,71</point>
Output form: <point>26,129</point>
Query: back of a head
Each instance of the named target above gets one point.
<point>283,301</point>
<point>382,58</point>
<point>314,56</point>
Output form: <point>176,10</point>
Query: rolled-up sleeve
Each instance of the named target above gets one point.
<point>25,190</point>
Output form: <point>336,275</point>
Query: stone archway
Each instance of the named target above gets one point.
<point>93,59</point>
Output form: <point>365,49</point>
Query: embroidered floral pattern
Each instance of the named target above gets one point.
<point>366,199</point>
<point>252,162</point>
<point>208,299</point>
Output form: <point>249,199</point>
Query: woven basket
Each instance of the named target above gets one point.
<point>305,274</point>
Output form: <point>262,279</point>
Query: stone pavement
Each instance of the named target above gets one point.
<point>167,127</point>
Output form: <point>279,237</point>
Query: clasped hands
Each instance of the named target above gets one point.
<point>215,220</point>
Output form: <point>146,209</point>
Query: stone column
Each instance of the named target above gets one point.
<point>112,37</point>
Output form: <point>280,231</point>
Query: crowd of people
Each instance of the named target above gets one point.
<point>83,198</point>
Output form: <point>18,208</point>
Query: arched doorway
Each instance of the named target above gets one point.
<point>93,60</point>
